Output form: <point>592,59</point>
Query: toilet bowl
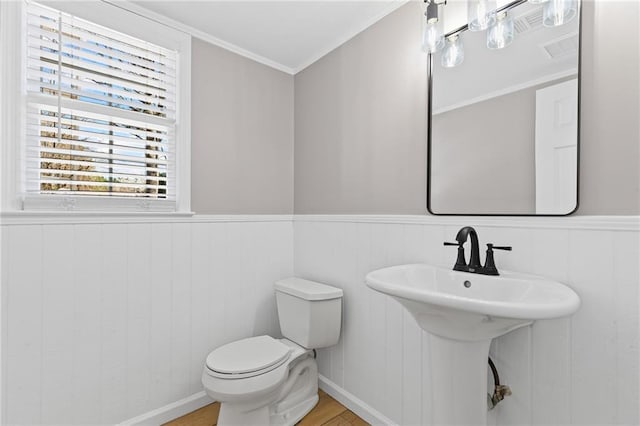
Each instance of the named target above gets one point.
<point>265,381</point>
<point>249,390</point>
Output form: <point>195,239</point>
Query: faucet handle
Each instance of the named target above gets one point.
<point>491,246</point>
<point>489,263</point>
<point>461,262</point>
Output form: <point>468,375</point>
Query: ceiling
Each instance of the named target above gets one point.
<point>287,35</point>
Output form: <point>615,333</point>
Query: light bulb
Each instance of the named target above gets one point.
<point>453,53</point>
<point>481,14</point>
<point>501,34</point>
<point>432,33</point>
<point>559,12</point>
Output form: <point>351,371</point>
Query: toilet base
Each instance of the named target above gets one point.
<point>236,415</point>
<point>298,395</point>
<point>233,415</point>
<point>294,414</point>
<point>289,403</point>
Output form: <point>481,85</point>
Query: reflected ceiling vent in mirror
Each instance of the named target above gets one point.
<point>562,47</point>
<point>528,22</point>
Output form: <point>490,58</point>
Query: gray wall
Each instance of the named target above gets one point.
<point>466,176</point>
<point>242,134</point>
<point>360,118</point>
<point>610,127</point>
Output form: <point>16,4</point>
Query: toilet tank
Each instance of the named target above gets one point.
<point>310,313</point>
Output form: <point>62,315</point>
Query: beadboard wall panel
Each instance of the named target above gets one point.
<point>579,370</point>
<point>107,321</point>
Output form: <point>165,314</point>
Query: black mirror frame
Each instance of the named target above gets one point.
<point>429,128</point>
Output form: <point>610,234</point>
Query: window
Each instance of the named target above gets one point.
<point>102,112</point>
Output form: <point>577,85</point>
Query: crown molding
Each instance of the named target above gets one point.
<point>194,32</point>
<point>351,34</point>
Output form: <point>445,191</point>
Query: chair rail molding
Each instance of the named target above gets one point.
<point>613,223</point>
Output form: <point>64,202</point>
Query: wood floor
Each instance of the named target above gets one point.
<point>328,412</point>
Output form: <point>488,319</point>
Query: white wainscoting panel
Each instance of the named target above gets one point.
<point>580,370</point>
<point>107,321</point>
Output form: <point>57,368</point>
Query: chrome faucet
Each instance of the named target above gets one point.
<point>474,265</point>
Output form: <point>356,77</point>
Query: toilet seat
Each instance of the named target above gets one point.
<point>247,358</point>
<point>226,387</point>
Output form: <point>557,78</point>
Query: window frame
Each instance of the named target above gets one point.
<point>13,100</point>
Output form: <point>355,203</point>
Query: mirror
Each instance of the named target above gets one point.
<point>503,124</point>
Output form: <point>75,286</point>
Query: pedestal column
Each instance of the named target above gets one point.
<point>458,381</point>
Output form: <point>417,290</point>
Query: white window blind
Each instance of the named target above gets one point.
<point>101,111</point>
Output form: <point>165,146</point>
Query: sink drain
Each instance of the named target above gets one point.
<point>467,284</point>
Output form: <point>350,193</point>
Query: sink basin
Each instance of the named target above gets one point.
<point>470,307</point>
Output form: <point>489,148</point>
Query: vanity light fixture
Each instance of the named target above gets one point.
<point>501,34</point>
<point>433,29</point>
<point>481,14</point>
<point>484,14</point>
<point>453,53</point>
<point>559,12</point>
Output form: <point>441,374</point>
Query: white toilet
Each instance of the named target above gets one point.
<point>266,381</point>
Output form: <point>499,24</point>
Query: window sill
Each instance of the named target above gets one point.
<point>24,217</point>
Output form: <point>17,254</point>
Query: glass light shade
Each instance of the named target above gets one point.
<point>559,12</point>
<point>481,14</point>
<point>501,34</point>
<point>432,36</point>
<point>453,53</point>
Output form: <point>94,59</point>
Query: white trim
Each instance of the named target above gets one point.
<point>359,407</point>
<point>72,218</point>
<point>11,104</point>
<point>170,411</point>
<point>507,90</point>
<point>187,29</point>
<point>351,34</point>
<point>611,223</point>
<point>183,128</point>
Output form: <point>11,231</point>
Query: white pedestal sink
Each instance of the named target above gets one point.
<point>463,312</point>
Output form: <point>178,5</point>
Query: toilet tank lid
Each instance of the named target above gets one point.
<point>308,290</point>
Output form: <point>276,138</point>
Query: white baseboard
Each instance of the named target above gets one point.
<point>359,407</point>
<point>171,411</point>
<point>191,403</point>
